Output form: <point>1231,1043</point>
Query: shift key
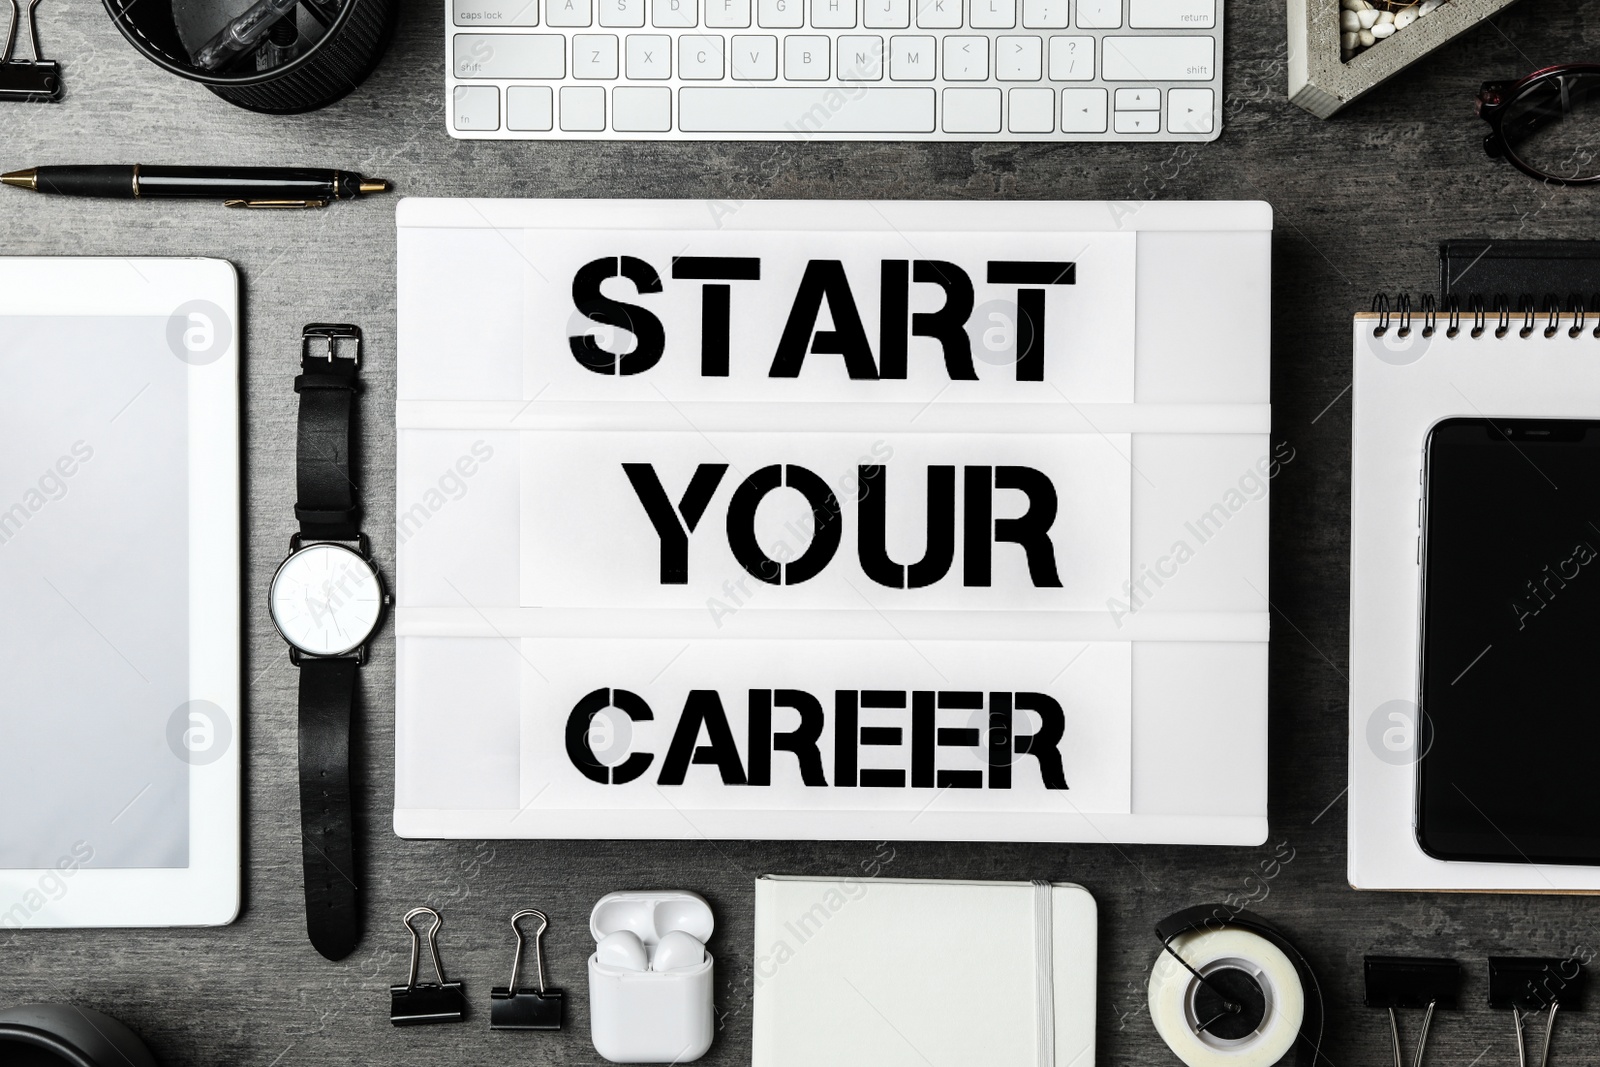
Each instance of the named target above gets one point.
<point>1157,59</point>
<point>1172,14</point>
<point>510,55</point>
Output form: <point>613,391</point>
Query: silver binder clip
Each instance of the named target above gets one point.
<point>36,79</point>
<point>1395,982</point>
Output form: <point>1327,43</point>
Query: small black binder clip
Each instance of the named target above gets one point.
<point>1528,985</point>
<point>1395,982</point>
<point>36,79</point>
<point>514,1007</point>
<point>416,1004</point>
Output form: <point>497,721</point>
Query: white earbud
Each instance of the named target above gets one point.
<point>623,949</point>
<point>678,951</point>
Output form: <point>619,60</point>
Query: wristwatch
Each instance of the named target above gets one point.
<point>327,599</point>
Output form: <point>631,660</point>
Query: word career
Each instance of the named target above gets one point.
<point>703,714</point>
<point>824,282</point>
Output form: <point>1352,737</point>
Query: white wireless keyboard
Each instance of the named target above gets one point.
<point>863,70</point>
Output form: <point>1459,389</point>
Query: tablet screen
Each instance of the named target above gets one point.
<point>97,733</point>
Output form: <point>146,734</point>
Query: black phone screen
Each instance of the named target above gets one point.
<point>1510,681</point>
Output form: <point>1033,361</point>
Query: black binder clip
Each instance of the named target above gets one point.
<point>416,1004</point>
<point>514,1007</point>
<point>1529,985</point>
<point>37,79</point>
<point>1395,982</point>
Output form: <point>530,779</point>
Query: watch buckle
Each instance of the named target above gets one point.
<point>329,334</point>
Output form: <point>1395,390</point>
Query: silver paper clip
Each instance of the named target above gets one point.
<point>36,79</point>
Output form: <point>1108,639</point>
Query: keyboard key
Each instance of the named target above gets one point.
<point>1072,59</point>
<point>649,56</point>
<point>1044,14</point>
<point>1172,14</point>
<point>972,111</point>
<point>622,14</point>
<point>886,14</point>
<point>530,107</point>
<point>594,55</point>
<point>939,14</point>
<point>755,59</point>
<point>1157,59</point>
<point>805,58</point>
<point>993,15</point>
<point>833,14</point>
<point>728,14</point>
<point>966,59</point>
<point>477,108</point>
<point>674,14</point>
<point>510,55</point>
<point>1138,122</point>
<point>641,109</point>
<point>1032,111</point>
<point>495,12</point>
<point>780,14</point>
<point>911,59</point>
<point>568,13</point>
<point>1190,111</point>
<point>861,59</point>
<point>1083,110</point>
<point>1138,100</point>
<point>1019,59</point>
<point>583,108</point>
<point>804,110</point>
<point>1099,14</point>
<point>699,57</point>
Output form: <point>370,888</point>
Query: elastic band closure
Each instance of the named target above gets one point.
<point>1044,984</point>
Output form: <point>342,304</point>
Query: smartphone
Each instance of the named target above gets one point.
<point>1509,689</point>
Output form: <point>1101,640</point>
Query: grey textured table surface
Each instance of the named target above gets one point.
<point>1361,203</point>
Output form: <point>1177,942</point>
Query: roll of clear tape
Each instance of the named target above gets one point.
<point>1173,993</point>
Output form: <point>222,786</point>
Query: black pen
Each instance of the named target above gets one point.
<point>234,186</point>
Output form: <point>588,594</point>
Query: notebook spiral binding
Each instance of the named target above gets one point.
<point>1551,310</point>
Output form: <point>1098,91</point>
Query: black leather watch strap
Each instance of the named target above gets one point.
<point>326,506</point>
<point>327,698</point>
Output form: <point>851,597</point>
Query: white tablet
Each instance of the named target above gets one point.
<point>119,577</point>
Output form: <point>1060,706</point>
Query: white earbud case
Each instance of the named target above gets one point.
<point>651,1016</point>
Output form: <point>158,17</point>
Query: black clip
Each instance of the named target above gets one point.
<point>514,1007</point>
<point>36,79</point>
<point>1529,985</point>
<point>415,1004</point>
<point>1410,982</point>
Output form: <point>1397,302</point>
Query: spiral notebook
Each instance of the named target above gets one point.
<point>1417,361</point>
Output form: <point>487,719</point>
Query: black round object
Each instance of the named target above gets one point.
<point>63,1035</point>
<point>1232,1002</point>
<point>326,71</point>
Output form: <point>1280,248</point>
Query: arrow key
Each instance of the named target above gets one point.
<point>1190,111</point>
<point>1083,110</point>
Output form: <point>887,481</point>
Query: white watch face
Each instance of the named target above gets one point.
<point>325,600</point>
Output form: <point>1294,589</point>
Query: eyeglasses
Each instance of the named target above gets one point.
<point>1548,124</point>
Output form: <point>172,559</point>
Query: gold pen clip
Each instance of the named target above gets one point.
<point>275,203</point>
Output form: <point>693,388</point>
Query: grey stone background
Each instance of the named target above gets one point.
<point>1361,201</point>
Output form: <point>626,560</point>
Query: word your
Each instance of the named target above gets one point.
<point>1554,581</point>
<point>703,714</point>
<point>980,529</point>
<point>52,485</point>
<point>52,886</point>
<point>1252,486</point>
<point>823,283</point>
<point>452,485</point>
